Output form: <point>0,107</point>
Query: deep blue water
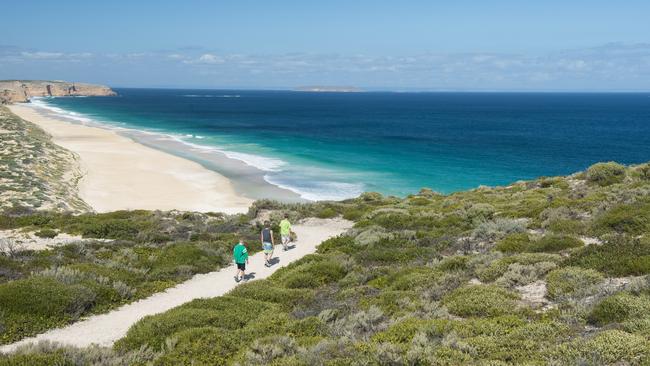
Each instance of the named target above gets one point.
<point>333,145</point>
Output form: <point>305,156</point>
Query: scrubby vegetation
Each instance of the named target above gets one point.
<point>147,253</point>
<point>551,271</point>
<point>34,172</point>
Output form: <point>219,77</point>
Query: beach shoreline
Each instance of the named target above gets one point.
<point>122,174</point>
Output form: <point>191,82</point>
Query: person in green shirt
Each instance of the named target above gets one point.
<point>285,232</point>
<point>240,256</point>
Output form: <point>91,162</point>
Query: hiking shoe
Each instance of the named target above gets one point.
<point>267,264</point>
<point>237,279</point>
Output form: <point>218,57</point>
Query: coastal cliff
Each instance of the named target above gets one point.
<point>20,91</point>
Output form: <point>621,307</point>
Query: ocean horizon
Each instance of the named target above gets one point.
<point>332,146</point>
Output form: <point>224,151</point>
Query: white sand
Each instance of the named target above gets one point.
<point>105,329</point>
<point>120,174</point>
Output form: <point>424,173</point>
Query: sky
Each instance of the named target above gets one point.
<point>502,45</point>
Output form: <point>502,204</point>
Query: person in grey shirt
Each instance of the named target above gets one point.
<point>266,237</point>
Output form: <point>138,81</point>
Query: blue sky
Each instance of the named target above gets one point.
<point>403,45</point>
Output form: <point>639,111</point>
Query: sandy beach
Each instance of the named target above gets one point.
<point>120,174</point>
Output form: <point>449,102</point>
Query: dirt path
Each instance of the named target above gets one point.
<point>107,328</point>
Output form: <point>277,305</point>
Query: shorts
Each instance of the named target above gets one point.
<point>241,266</point>
<point>286,238</point>
<point>268,247</point>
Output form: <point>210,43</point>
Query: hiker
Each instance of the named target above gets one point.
<point>240,255</point>
<point>285,232</point>
<point>266,237</point>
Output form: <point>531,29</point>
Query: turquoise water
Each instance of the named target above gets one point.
<point>337,145</point>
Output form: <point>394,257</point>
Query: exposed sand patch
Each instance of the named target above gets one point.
<point>534,294</point>
<point>21,240</point>
<point>591,241</point>
<point>105,329</point>
<point>120,174</point>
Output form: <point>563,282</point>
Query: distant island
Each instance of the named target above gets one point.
<point>21,91</point>
<point>333,89</point>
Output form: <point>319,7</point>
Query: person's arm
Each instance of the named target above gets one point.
<point>272,239</point>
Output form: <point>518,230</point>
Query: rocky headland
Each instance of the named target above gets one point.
<point>21,91</point>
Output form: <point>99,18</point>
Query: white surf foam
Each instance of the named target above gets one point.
<point>317,190</point>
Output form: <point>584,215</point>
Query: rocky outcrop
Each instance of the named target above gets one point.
<point>20,91</point>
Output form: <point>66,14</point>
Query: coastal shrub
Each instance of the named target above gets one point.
<point>222,312</point>
<point>554,243</point>
<point>46,233</point>
<point>604,174</point>
<point>110,229</point>
<point>314,274</point>
<point>523,274</point>
<point>498,267</point>
<point>267,350</point>
<point>172,259</point>
<point>513,243</point>
<point>566,281</point>
<point>522,343</point>
<point>618,256</point>
<point>402,331</point>
<point>342,243</point>
<point>614,346</point>
<point>202,346</point>
<point>265,290</point>
<point>620,307</point>
<point>326,213</point>
<point>37,303</point>
<point>498,228</point>
<point>562,220</point>
<point>610,347</point>
<point>480,300</point>
<point>51,353</point>
<point>453,263</point>
<point>632,219</point>
<point>644,171</point>
<point>479,212</point>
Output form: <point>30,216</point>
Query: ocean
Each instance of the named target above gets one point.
<point>337,145</point>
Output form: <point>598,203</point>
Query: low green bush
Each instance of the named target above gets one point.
<point>633,219</point>
<point>37,303</point>
<point>566,281</point>
<point>522,344</point>
<point>327,213</point>
<point>604,174</point>
<point>481,300</point>
<point>202,346</point>
<point>402,331</point>
<point>46,233</point>
<point>554,243</point>
<point>220,312</point>
<point>498,267</point>
<point>610,347</point>
<point>620,307</point>
<point>314,274</point>
<point>265,290</point>
<point>513,243</point>
<point>341,243</point>
<point>618,256</point>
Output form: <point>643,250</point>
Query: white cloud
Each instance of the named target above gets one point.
<point>206,59</point>
<point>611,66</point>
<point>42,55</point>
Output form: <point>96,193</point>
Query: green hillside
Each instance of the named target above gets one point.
<point>550,271</point>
